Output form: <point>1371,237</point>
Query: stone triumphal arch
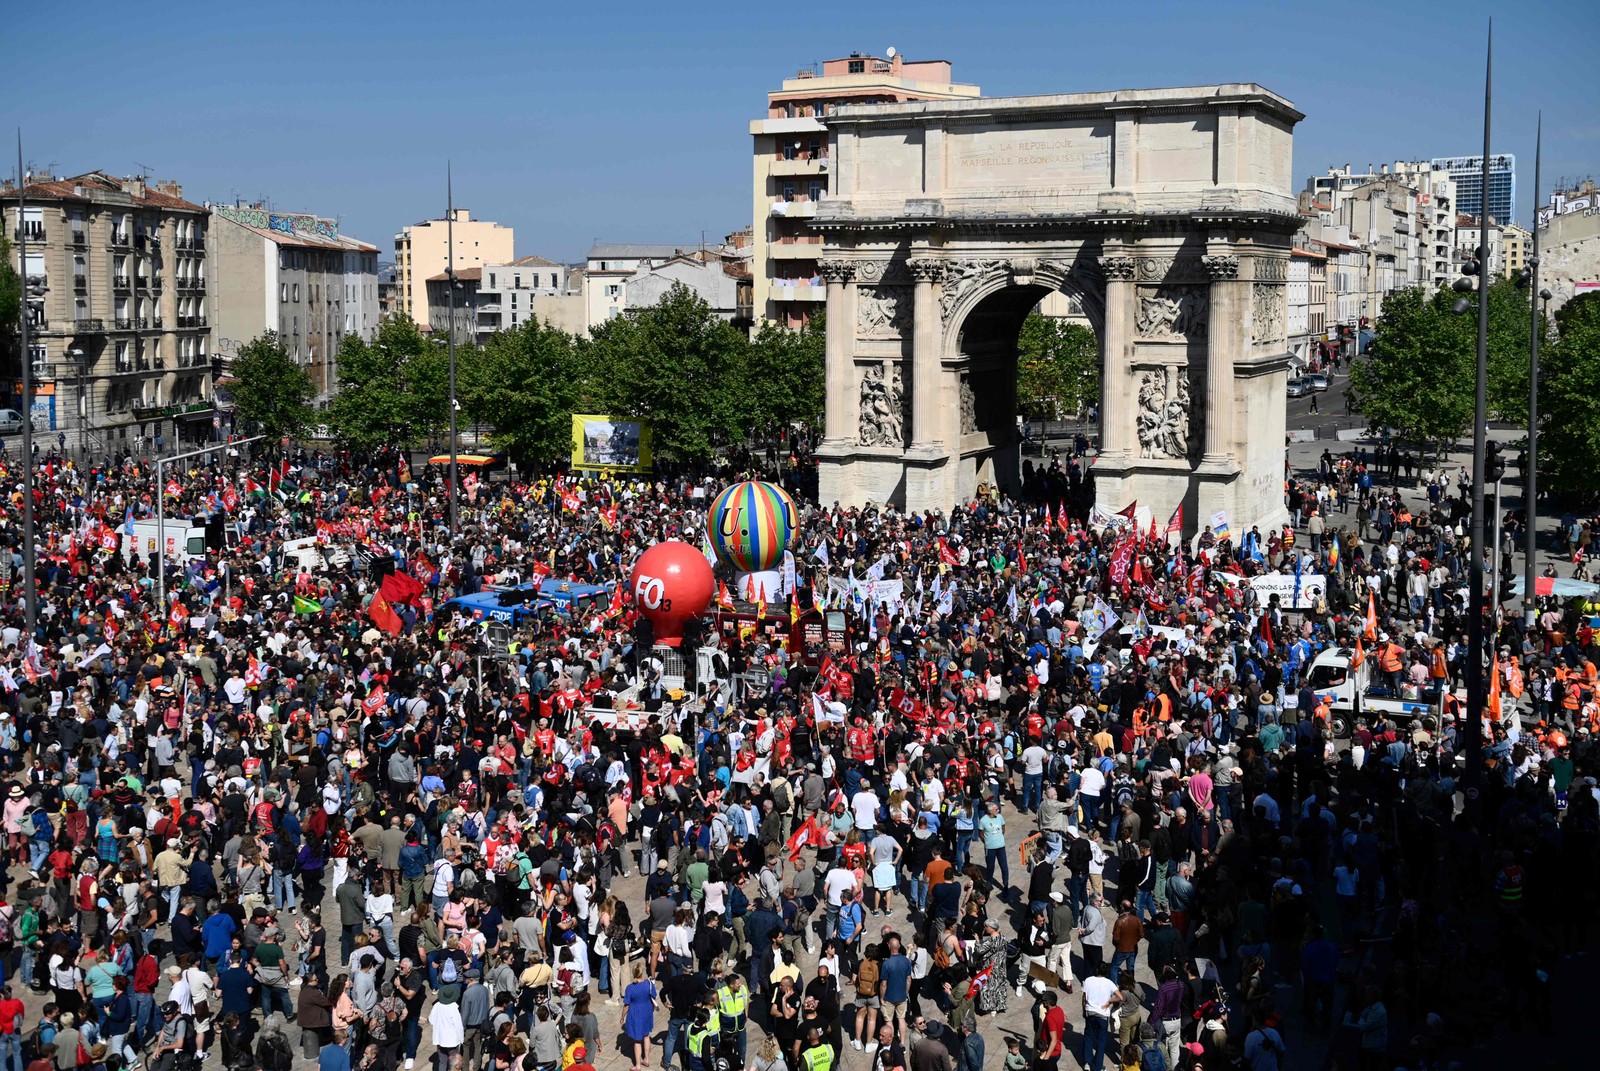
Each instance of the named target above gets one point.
<point>1167,213</point>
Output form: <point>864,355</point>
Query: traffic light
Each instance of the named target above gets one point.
<point>1494,463</point>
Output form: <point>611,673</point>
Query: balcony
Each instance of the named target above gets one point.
<point>156,323</point>
<point>794,209</point>
<point>800,165</point>
<point>89,326</point>
<point>142,323</point>
<point>144,282</point>
<point>120,282</point>
<point>198,321</point>
<point>795,250</point>
<point>80,283</point>
<point>78,238</point>
<point>29,233</point>
<point>121,239</point>
<point>124,365</point>
<point>198,243</point>
<point>787,290</point>
<point>157,281</point>
<point>122,323</point>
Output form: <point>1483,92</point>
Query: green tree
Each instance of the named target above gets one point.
<point>10,308</point>
<point>393,390</point>
<point>1569,383</point>
<point>526,384</point>
<point>270,392</point>
<point>1058,367</point>
<point>677,364</point>
<point>787,377</point>
<point>1422,375</point>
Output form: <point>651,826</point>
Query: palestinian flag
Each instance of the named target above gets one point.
<point>252,488</point>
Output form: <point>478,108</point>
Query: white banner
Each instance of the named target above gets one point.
<point>871,593</point>
<point>1312,587</point>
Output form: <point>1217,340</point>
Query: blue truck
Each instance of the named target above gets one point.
<point>513,604</point>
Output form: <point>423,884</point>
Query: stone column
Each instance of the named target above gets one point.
<point>925,415</point>
<point>842,411</point>
<point>1116,410</point>
<point>1224,337</point>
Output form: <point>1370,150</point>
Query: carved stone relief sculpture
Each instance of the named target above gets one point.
<point>1163,418</point>
<point>1266,306</point>
<point>969,407</point>
<point>883,312</point>
<point>959,276</point>
<point>1172,312</point>
<point>882,420</point>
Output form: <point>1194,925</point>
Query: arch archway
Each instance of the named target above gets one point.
<point>1167,213</point>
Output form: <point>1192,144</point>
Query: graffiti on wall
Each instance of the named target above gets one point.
<point>283,223</point>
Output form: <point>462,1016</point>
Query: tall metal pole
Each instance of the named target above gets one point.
<point>30,591</point>
<point>1530,570</point>
<point>1475,607</point>
<point>450,287</point>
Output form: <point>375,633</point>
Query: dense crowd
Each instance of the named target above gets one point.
<point>1073,770</point>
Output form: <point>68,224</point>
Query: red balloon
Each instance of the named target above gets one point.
<point>671,583</point>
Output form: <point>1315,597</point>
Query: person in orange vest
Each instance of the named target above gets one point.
<point>1390,661</point>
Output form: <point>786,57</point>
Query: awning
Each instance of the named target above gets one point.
<point>468,460</point>
<point>1561,587</point>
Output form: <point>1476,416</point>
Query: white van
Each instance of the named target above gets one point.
<point>307,555</point>
<point>11,422</point>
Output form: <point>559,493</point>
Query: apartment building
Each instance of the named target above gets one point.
<point>1467,173</point>
<point>1308,298</point>
<point>297,275</point>
<point>422,251</point>
<point>116,285</point>
<point>528,288</point>
<point>1569,243</point>
<point>1514,243</point>
<point>792,160</point>
<point>1426,246</point>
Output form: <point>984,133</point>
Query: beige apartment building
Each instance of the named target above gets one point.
<point>792,160</point>
<point>119,338</point>
<point>421,251</point>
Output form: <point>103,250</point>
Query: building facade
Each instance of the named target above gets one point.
<point>116,287</point>
<point>294,274</point>
<point>1514,242</point>
<point>1569,243</point>
<point>1467,173</point>
<point>421,251</point>
<point>528,288</point>
<point>793,162</point>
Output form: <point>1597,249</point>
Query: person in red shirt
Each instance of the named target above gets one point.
<point>11,1015</point>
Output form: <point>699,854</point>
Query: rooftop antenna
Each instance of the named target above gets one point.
<point>144,169</point>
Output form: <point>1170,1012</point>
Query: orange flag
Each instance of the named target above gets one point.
<point>1371,631</point>
<point>1359,657</point>
<point>1492,704</point>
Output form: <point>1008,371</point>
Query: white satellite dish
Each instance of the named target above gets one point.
<point>889,52</point>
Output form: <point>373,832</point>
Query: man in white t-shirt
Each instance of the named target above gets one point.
<point>1033,759</point>
<point>864,805</point>
<point>1100,995</point>
<point>835,884</point>
<point>1091,786</point>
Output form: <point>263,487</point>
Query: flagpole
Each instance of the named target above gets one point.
<point>450,289</point>
<point>30,593</point>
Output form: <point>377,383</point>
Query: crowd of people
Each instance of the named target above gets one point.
<point>1071,779</point>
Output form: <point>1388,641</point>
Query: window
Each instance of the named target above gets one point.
<point>613,290</point>
<point>816,191</point>
<point>788,150</point>
<point>857,66</point>
<point>491,280</point>
<point>283,291</point>
<point>296,292</point>
<point>283,259</point>
<point>788,191</point>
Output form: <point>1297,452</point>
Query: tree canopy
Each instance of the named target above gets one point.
<point>1420,379</point>
<point>1569,383</point>
<point>270,392</point>
<point>1058,367</point>
<point>393,390</point>
<point>526,383</point>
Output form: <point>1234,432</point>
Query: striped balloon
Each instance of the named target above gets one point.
<point>750,525</point>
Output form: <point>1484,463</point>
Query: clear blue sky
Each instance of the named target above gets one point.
<point>628,121</point>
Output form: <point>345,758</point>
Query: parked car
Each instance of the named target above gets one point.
<point>1299,387</point>
<point>1318,381</point>
<point>11,422</point>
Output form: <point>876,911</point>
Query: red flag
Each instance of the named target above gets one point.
<point>905,705</point>
<point>1175,522</point>
<point>1266,632</point>
<point>401,588</point>
<point>1061,520</point>
<point>810,832</point>
<point>252,673</point>
<point>1152,537</point>
<point>230,499</point>
<point>374,700</point>
<point>1129,510</point>
<point>174,488</point>
<point>948,556</point>
<point>979,980</point>
<point>382,613</point>
<point>724,599</point>
<point>1022,560</point>
<point>1121,561</point>
<point>178,616</point>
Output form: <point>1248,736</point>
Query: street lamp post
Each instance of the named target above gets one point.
<point>450,329</point>
<point>1530,571</point>
<point>30,592</point>
<point>1475,610</point>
